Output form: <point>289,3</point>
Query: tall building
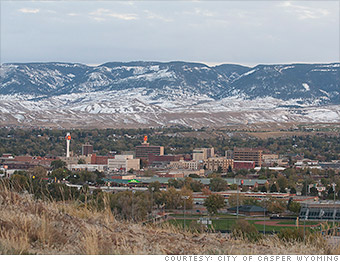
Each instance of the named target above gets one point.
<point>144,150</point>
<point>86,149</point>
<point>200,154</point>
<point>213,163</point>
<point>229,154</point>
<point>248,154</point>
<point>125,162</point>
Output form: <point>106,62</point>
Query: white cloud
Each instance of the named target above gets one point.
<point>29,10</point>
<point>101,14</point>
<point>151,15</point>
<point>304,12</point>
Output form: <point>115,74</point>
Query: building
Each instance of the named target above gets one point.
<point>307,163</point>
<point>200,154</point>
<point>326,210</point>
<point>248,154</point>
<point>216,163</point>
<point>270,159</point>
<point>86,149</point>
<point>335,164</point>
<point>73,160</point>
<point>244,165</point>
<point>123,162</point>
<point>229,154</point>
<point>181,164</point>
<point>163,159</point>
<point>26,162</point>
<point>100,160</point>
<point>248,210</point>
<point>87,167</point>
<point>145,150</point>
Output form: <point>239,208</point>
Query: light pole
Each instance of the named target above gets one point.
<point>132,215</point>
<point>152,189</point>
<point>237,197</point>
<point>238,182</point>
<point>304,221</point>
<point>264,219</point>
<point>184,200</point>
<point>334,212</point>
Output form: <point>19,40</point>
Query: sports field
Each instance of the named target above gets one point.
<point>226,223</point>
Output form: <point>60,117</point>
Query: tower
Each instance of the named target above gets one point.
<point>68,139</point>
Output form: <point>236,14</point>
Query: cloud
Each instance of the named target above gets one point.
<point>29,10</point>
<point>304,12</point>
<point>151,15</point>
<point>101,14</point>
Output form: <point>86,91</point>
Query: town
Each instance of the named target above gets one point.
<point>203,189</point>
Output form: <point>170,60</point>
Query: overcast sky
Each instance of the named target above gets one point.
<point>213,32</point>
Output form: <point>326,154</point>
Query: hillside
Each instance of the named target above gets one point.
<point>139,94</point>
<point>36,227</point>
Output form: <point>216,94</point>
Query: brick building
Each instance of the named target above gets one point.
<point>248,154</point>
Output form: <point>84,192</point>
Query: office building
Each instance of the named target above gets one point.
<point>248,154</point>
<point>86,149</point>
<point>144,150</point>
<point>200,154</point>
<point>123,162</point>
<point>216,163</point>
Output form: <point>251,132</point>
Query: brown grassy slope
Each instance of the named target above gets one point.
<point>35,227</point>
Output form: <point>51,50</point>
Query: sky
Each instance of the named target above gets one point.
<point>212,32</point>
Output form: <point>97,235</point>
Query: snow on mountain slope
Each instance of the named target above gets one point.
<point>157,94</point>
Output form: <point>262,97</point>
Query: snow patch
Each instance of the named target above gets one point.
<point>306,86</point>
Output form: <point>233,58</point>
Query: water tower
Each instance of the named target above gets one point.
<point>68,139</point>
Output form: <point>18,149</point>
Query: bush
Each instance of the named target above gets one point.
<point>291,234</point>
<point>297,235</point>
<point>243,229</point>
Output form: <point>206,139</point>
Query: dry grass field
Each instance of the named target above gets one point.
<point>29,226</point>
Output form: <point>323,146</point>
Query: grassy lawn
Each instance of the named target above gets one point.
<point>226,224</point>
<point>203,215</point>
<point>293,222</point>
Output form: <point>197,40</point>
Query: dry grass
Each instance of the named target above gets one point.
<point>28,226</point>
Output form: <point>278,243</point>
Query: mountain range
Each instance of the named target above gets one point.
<point>134,94</point>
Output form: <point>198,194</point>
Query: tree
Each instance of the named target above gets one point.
<point>155,185</point>
<point>218,184</point>
<point>213,203</point>
<point>38,172</point>
<point>81,161</point>
<point>304,189</point>
<point>273,188</point>
<point>60,173</point>
<point>263,189</point>
<point>58,164</point>
<point>275,205</point>
<point>233,187</point>
<point>186,196</point>
<point>292,190</point>
<point>314,191</point>
<point>294,207</point>
<point>232,200</point>
<point>172,198</point>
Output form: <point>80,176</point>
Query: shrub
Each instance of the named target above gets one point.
<point>298,235</point>
<point>244,230</point>
<point>291,234</point>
